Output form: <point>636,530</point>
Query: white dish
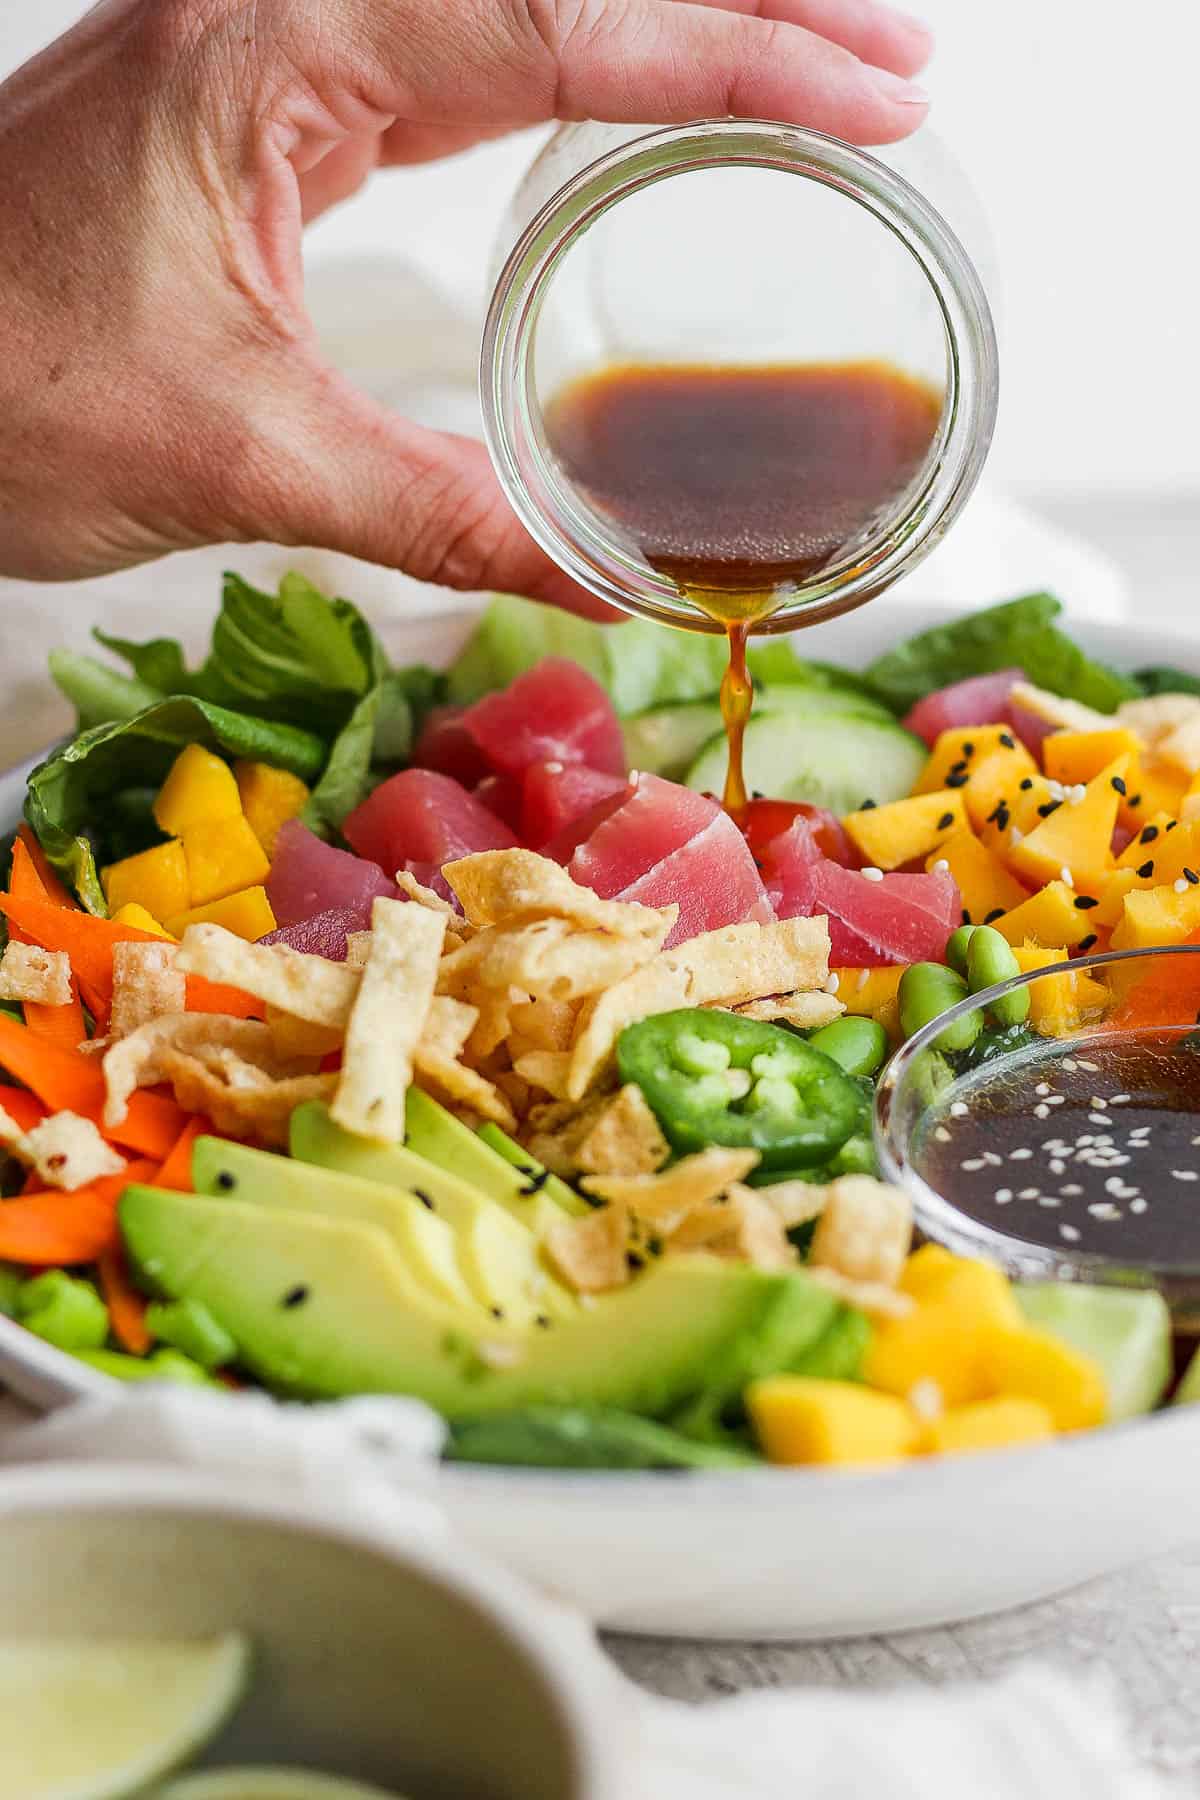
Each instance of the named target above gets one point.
<point>796,1554</point>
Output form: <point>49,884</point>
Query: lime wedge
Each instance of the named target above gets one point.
<point>100,1720</point>
<point>268,1784</point>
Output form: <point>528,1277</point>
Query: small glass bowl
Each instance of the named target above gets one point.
<point>1073,1156</point>
<point>731,243</point>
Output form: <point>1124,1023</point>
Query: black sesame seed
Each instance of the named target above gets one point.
<point>1026,784</point>
<point>868,805</point>
<point>966,917</point>
<point>537,1183</point>
<point>1190,875</point>
<point>423,1197</point>
<point>295,1296</point>
<point>1171,826</point>
<point>1009,742</point>
<point>1118,784</point>
<point>497,1312</point>
<point>997,912</point>
<point>542,1322</point>
<point>1136,800</point>
<point>655,1246</point>
<point>757,794</point>
<point>226,1182</point>
<point>1087,942</point>
<point>968,749</point>
<point>957,768</point>
<point>1048,807</point>
<point>1145,870</point>
<point>1149,833</point>
<point>635,1262</point>
<point>945,822</point>
<point>958,780</point>
<point>1085,902</point>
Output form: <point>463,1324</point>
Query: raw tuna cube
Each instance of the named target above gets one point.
<point>444,745</point>
<point>503,795</point>
<point>420,816</point>
<point>764,822</point>
<point>555,794</point>
<point>325,933</point>
<point>712,879</point>
<point>980,700</point>
<point>900,919</point>
<point>556,712</point>
<point>562,847</point>
<point>309,876</point>
<point>658,818</point>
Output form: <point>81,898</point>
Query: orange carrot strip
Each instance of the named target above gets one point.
<point>89,943</point>
<point>176,1172</point>
<point>57,1229</point>
<point>126,1307</point>
<point>48,882</point>
<point>65,1081</point>
<point>60,1024</point>
<point>24,1108</point>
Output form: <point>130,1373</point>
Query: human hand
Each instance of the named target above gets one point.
<point>160,379</point>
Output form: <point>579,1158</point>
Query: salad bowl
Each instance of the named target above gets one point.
<point>776,1553</point>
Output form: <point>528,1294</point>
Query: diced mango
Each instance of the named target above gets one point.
<point>1019,811</point>
<point>1076,837</point>
<point>1075,756</point>
<point>982,1291</point>
<point>1035,1365</point>
<point>1190,806</point>
<point>994,792</point>
<point>798,1420</point>
<point>1059,1004</point>
<point>248,915</point>
<point>1050,917</point>
<point>988,1425</point>
<point>270,797</point>
<point>959,755</point>
<point>223,857</point>
<point>872,994</point>
<point>985,884</point>
<point>1143,845</point>
<point>1160,788</point>
<point>156,879</point>
<point>937,1342</point>
<point>200,788</point>
<point>905,829</point>
<point>1157,915</point>
<point>138,919</point>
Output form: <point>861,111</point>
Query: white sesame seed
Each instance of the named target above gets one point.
<point>941,1134</point>
<point>1057,1167</point>
<point>1019,1155</point>
<point>1041,1110</point>
<point>1141,1131</point>
<point>972,1164</point>
<point>958,1109</point>
<point>1078,794</point>
<point>926,1400</point>
<point>1091,1067</point>
<point>872,874</point>
<point>1048,1201</point>
<point>1070,1190</point>
<point>1015,835</point>
<point>1104,1209</point>
<point>1086,1139</point>
<point>1069,1233</point>
<point>833,984</point>
<point>1028,1193</point>
<point>1138,1206</point>
<point>1066,877</point>
<point>1180,886</point>
<point>1069,1063</point>
<point>941,866</point>
<point>1113,1185</point>
<point>1042,1088</point>
<point>1184,1175</point>
<point>1097,1119</point>
<point>993,1161</point>
<point>1056,790</point>
<point>1057,1100</point>
<point>1120,1100</point>
<point>1003,1196</point>
<point>1098,1101</point>
<point>1195,1140</point>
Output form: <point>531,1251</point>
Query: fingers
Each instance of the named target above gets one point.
<point>650,61</point>
<point>876,34</point>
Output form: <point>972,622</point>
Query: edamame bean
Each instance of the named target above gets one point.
<point>990,960</point>
<point>64,1310</point>
<point>926,991</point>
<point>956,947</point>
<point>857,1045</point>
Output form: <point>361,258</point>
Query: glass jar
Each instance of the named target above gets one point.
<point>729,244</point>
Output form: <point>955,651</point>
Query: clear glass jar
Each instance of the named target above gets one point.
<point>729,243</point>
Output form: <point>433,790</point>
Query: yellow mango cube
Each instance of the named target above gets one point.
<point>800,1421</point>
<point>960,754</point>
<point>270,797</point>
<point>138,919</point>
<point>905,829</point>
<point>1146,842</point>
<point>988,1425</point>
<point>155,879</point>
<point>1190,805</point>
<point>1160,788</point>
<point>1059,1004</point>
<point>200,788</point>
<point>1075,756</point>
<point>1050,918</point>
<point>980,1290</point>
<point>872,994</point>
<point>983,881</point>
<point>1075,837</point>
<point>1157,915</point>
<point>248,915</point>
<point>938,1341</point>
<point>223,857</point>
<point>1031,1364</point>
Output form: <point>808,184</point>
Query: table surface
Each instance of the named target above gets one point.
<point>1142,1626</point>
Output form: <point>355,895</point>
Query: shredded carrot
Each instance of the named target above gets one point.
<point>89,943</point>
<point>63,1080</point>
<point>22,1107</point>
<point>51,888</point>
<point>58,1229</point>
<point>126,1307</point>
<point>176,1172</point>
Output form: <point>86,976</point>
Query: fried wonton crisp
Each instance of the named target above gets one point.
<point>500,886</point>
<point>146,985</point>
<point>307,987</point>
<point>388,1018</point>
<point>27,972</point>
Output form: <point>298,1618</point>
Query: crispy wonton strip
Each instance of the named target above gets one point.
<point>666,1199</point>
<point>748,962</point>
<point>497,886</point>
<point>388,1018</point>
<point>139,1059</point>
<point>307,987</point>
<point>146,984</point>
<point>656,988</point>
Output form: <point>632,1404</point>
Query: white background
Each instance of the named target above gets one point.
<point>1075,120</point>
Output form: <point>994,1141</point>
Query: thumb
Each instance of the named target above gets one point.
<point>354,477</point>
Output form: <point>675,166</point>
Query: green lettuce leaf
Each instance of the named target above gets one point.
<point>638,663</point>
<point>159,663</point>
<point>1019,634</point>
<point>73,803</point>
<point>98,692</point>
<point>1167,681</point>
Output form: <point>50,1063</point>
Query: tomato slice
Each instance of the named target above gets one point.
<point>765,820</point>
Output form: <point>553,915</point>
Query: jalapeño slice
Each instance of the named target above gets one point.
<point>712,1078</point>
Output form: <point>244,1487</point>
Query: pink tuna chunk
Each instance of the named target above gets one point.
<point>658,818</point>
<point>554,794</point>
<point>555,712</point>
<point>711,878</point>
<point>901,919</point>
<point>980,700</point>
<point>309,876</point>
<point>326,932</point>
<point>420,816</point>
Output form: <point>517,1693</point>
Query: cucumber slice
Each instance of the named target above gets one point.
<point>268,1784</point>
<point>99,1720</point>
<point>834,758</point>
<point>667,740</point>
<point>1188,1391</point>
<point>1126,1330</point>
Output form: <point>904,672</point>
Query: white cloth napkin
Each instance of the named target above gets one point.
<point>1033,1735</point>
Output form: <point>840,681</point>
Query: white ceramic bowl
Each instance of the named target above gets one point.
<point>407,1664</point>
<point>801,1554</point>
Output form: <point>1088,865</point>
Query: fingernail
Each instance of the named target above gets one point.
<point>895,88</point>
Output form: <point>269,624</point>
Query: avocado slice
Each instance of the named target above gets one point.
<point>322,1308</point>
<point>455,1241</point>
<point>1126,1330</point>
<point>1188,1391</point>
<point>517,1157</point>
<point>436,1134</point>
